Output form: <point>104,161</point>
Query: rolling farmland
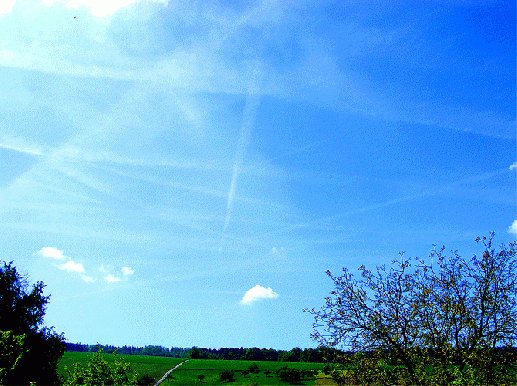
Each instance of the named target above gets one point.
<point>210,371</point>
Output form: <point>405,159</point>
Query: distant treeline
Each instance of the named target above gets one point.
<point>258,354</point>
<point>248,354</point>
<point>173,352</point>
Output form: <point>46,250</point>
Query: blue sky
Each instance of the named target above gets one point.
<point>183,173</point>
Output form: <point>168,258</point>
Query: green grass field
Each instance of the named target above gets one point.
<point>188,373</point>
<point>204,371</point>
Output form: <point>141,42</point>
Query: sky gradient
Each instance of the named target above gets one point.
<point>183,173</point>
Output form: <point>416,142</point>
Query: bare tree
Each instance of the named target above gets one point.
<point>453,320</point>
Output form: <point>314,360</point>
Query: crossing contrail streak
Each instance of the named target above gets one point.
<point>423,194</point>
<point>248,120</point>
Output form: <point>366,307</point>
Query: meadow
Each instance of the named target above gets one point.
<point>207,371</point>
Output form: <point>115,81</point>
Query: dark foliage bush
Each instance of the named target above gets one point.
<point>227,376</point>
<point>146,380</point>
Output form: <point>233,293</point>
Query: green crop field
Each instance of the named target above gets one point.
<point>206,371</point>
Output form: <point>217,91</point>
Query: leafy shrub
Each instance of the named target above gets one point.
<point>100,372</point>
<point>11,350</point>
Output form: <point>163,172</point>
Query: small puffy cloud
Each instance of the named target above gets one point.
<point>50,252</point>
<point>70,266</point>
<point>112,278</point>
<point>126,271</point>
<point>257,293</point>
<point>513,166</point>
<point>513,228</point>
<point>87,279</point>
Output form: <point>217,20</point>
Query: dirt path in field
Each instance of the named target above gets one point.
<point>168,372</point>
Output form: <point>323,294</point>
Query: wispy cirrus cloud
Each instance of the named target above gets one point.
<point>97,8</point>
<point>19,144</point>
<point>258,293</point>
<point>210,63</point>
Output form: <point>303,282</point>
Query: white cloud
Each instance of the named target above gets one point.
<point>513,228</point>
<point>256,293</point>
<point>50,252</point>
<point>6,6</point>
<point>513,166</point>
<point>71,267</point>
<point>88,279</point>
<point>126,271</point>
<point>99,8</point>
<point>112,278</point>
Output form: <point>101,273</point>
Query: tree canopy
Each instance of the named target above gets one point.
<point>449,320</point>
<point>29,351</point>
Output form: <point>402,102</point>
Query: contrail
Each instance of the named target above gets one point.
<point>426,193</point>
<point>248,120</point>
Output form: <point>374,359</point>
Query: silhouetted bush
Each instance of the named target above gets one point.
<point>227,376</point>
<point>29,352</point>
<point>146,380</point>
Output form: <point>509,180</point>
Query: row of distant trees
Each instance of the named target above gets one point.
<point>259,354</point>
<point>248,354</point>
<point>173,352</point>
